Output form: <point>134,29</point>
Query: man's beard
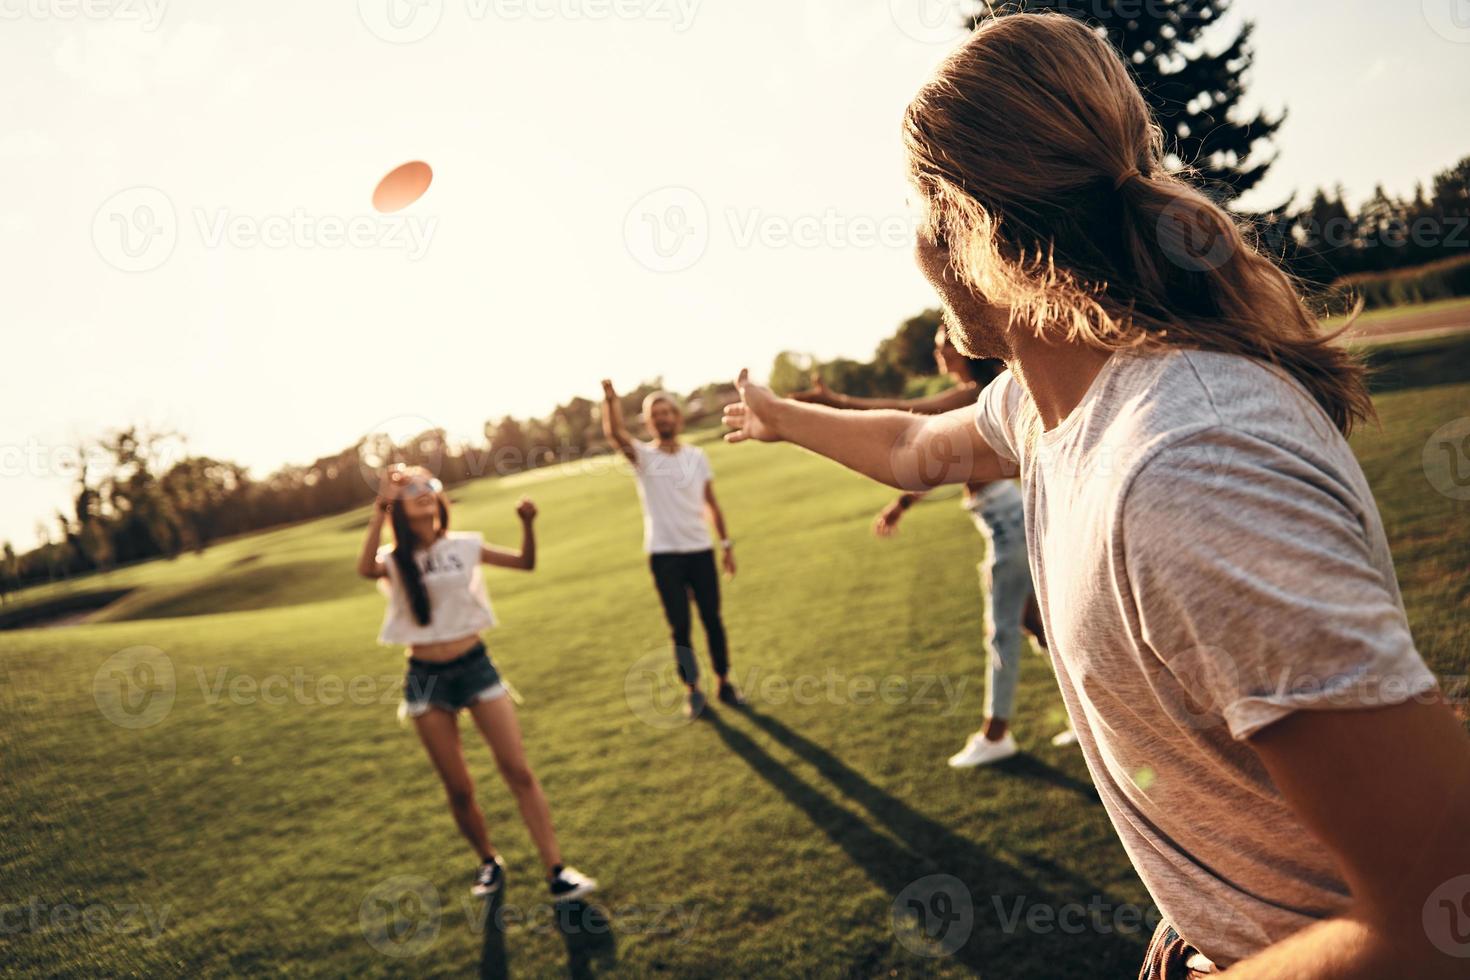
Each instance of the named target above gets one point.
<point>976,340</point>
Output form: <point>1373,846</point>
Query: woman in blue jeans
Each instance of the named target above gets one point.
<point>1005,574</point>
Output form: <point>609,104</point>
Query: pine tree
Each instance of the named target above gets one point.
<point>1195,95</point>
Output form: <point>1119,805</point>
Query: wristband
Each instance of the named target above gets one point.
<point>727,544</point>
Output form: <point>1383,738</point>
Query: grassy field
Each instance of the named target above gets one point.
<point>1419,311</point>
<point>272,816</point>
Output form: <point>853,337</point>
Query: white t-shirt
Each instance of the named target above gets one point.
<point>1208,559</point>
<point>671,486</point>
<point>458,604</point>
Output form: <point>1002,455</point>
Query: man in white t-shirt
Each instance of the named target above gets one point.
<point>1214,578</point>
<point>675,484</point>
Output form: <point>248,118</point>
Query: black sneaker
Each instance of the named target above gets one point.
<point>489,878</point>
<point>728,695</point>
<point>570,885</point>
<point>695,705</point>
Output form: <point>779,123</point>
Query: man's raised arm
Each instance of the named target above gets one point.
<point>612,422</point>
<point>910,452</point>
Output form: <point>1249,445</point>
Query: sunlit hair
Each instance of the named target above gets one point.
<point>404,543</point>
<point>1040,169</point>
<point>654,397</point>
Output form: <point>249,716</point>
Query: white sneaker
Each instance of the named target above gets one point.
<point>981,751</point>
<point>571,884</point>
<point>1064,738</point>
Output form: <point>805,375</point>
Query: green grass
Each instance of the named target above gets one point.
<point>1390,314</point>
<point>771,843</point>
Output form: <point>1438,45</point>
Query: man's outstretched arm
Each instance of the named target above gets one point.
<point>910,452</point>
<point>612,423</point>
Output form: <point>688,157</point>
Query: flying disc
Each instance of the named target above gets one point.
<point>402,186</point>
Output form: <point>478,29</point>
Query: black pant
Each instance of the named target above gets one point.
<point>677,575</point>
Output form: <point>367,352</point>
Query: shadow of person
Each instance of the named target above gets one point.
<point>492,945</point>
<point>1031,767</point>
<point>588,932</point>
<point>929,835</point>
<point>1005,937</point>
<point>586,928</point>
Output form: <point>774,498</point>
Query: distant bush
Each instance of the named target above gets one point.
<point>1446,279</point>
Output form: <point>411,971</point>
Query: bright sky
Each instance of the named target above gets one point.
<point>622,187</point>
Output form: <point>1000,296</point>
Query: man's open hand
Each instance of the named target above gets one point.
<point>753,417</point>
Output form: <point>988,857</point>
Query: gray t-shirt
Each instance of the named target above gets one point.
<point>1208,559</point>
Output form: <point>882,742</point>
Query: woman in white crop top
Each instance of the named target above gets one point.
<point>437,608</point>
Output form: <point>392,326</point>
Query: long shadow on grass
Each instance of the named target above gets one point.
<point>1016,917</point>
<point>585,927</point>
<point>1029,767</point>
<point>893,813</point>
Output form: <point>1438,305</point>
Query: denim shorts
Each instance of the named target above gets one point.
<point>451,685</point>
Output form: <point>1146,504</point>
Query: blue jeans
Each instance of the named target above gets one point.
<point>1005,578</point>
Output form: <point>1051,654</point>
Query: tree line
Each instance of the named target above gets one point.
<point>138,495</point>
<point>1327,243</point>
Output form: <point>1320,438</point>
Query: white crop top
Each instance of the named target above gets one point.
<point>458,603</point>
